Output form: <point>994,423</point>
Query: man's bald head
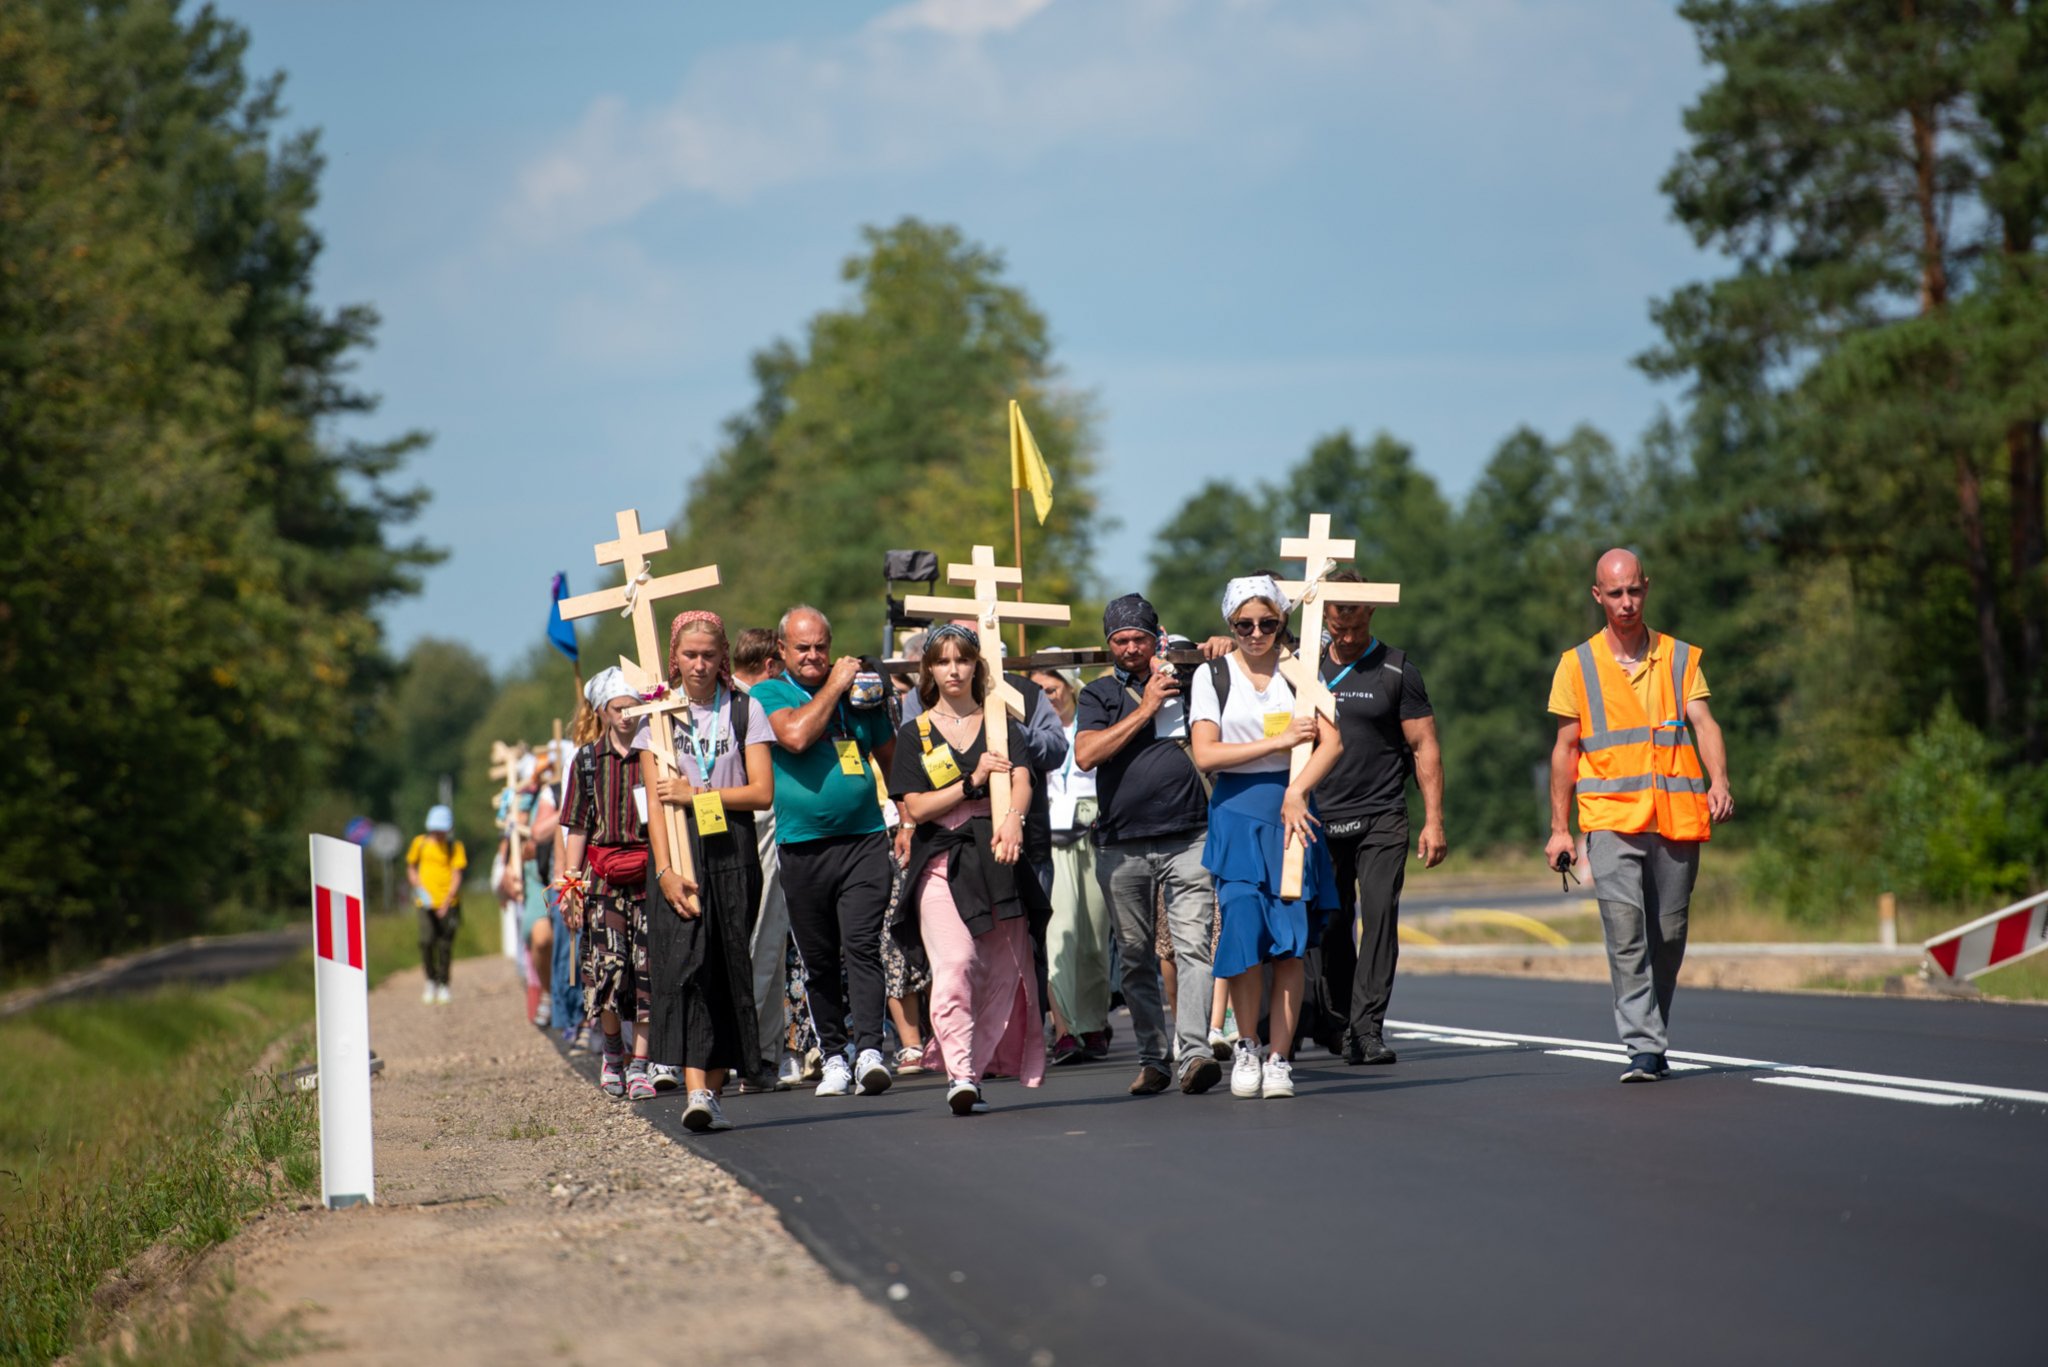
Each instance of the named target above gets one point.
<point>1619,587</point>
<point>806,640</point>
<point>1617,566</point>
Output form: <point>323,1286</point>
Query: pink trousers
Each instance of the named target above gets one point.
<point>984,991</point>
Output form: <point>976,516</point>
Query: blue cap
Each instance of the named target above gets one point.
<point>440,819</point>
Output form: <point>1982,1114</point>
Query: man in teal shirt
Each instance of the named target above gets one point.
<point>836,872</point>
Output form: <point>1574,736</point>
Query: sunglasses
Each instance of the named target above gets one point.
<point>1263,626</point>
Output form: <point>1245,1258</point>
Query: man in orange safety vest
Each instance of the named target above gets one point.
<point>1638,746</point>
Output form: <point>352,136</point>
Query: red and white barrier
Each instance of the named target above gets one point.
<point>341,994</point>
<point>2003,937</point>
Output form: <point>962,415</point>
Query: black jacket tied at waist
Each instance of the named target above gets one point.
<point>984,890</point>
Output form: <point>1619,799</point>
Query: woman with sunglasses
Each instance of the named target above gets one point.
<point>1243,733</point>
<point>967,903</point>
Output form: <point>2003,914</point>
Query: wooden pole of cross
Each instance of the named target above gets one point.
<point>1319,553</point>
<point>648,676</point>
<point>989,611</point>
<point>505,765</point>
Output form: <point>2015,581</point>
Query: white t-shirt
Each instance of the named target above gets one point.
<point>1243,717</point>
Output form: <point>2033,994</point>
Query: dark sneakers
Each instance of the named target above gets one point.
<point>1645,1068</point>
<point>1096,1043</point>
<point>1372,1049</point>
<point>1067,1049</point>
<point>1202,1073</point>
<point>1150,1081</point>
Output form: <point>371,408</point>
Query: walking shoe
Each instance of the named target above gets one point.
<point>873,1073</point>
<point>1278,1078</point>
<point>611,1075</point>
<point>1151,1079</point>
<point>814,1064</point>
<point>1067,1049</point>
<point>703,1113</point>
<point>965,1098</point>
<point>838,1079</point>
<point>792,1070</point>
<point>665,1076</point>
<point>1219,1044</point>
<point>542,1014</point>
<point>1095,1044</point>
<point>441,993</point>
<point>1642,1068</point>
<point>582,1040</point>
<point>1371,1049</point>
<point>429,995</point>
<point>639,1083</point>
<point>1244,1070</point>
<point>1663,1066</point>
<point>909,1061</point>
<point>1202,1073</point>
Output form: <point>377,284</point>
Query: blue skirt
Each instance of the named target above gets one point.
<point>1244,854</point>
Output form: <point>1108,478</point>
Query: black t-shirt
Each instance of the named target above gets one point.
<point>1373,699</point>
<point>1150,787</point>
<point>907,773</point>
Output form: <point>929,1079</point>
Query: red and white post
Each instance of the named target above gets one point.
<point>2006,935</point>
<point>341,994</point>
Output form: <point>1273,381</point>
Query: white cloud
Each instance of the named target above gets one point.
<point>959,18</point>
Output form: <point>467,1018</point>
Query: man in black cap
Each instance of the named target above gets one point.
<point>1152,818</point>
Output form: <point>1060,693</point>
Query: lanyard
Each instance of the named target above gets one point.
<point>1345,673</point>
<point>707,754</point>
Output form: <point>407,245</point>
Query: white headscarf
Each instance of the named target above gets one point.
<point>608,684</point>
<point>1238,592</point>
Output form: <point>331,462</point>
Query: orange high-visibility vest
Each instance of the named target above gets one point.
<point>1638,771</point>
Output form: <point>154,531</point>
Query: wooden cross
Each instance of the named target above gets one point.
<point>1319,552</point>
<point>505,765</point>
<point>1001,701</point>
<point>635,597</point>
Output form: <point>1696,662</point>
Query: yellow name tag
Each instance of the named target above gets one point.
<point>710,809</point>
<point>849,757</point>
<point>1276,722</point>
<point>940,766</point>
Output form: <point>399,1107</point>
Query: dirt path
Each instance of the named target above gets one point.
<point>524,1217</point>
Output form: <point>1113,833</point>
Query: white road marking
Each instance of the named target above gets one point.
<point>1470,1041</point>
<point>1612,1056</point>
<point>1879,1084</point>
<point>1815,1084</point>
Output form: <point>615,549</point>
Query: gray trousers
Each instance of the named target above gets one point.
<point>1644,883</point>
<point>1133,874</point>
<point>770,946</point>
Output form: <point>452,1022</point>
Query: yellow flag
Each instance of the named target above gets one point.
<point>1027,466</point>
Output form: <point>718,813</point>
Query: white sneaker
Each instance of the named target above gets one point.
<point>873,1073</point>
<point>1244,1070</point>
<point>964,1098</point>
<point>1279,1078</point>
<point>1220,1043</point>
<point>792,1069</point>
<point>441,994</point>
<point>838,1079</point>
<point>543,1013</point>
<point>666,1077</point>
<point>429,995</point>
<point>704,1113</point>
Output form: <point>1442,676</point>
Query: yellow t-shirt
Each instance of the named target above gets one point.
<point>440,864</point>
<point>1564,694</point>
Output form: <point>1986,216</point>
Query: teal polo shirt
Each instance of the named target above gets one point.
<point>815,799</point>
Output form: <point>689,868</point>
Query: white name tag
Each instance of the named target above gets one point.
<point>640,802</point>
<point>1170,722</point>
<point>1063,813</point>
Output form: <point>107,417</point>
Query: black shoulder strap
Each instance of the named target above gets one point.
<point>1396,657</point>
<point>1219,679</point>
<point>741,705</point>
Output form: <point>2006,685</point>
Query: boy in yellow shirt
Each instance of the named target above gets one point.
<point>434,867</point>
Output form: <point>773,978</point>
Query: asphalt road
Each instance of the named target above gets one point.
<point>1488,1199</point>
<point>204,961</point>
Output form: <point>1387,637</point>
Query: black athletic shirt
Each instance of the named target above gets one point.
<point>1150,787</point>
<point>1373,699</point>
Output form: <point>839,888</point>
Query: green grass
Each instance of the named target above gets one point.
<point>132,1122</point>
<point>2025,981</point>
<point>203,1334</point>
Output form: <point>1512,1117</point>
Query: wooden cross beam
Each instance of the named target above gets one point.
<point>989,613</point>
<point>1319,553</point>
<point>505,765</point>
<point>635,598</point>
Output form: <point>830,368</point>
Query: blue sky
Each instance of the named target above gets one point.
<point>1251,222</point>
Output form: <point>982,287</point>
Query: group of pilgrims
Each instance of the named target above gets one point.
<point>852,911</point>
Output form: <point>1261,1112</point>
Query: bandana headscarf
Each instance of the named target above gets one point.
<point>951,631</point>
<point>606,685</point>
<point>695,617</point>
<point>1238,592</point>
<point>1129,613</point>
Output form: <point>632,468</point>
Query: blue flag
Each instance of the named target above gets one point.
<point>561,635</point>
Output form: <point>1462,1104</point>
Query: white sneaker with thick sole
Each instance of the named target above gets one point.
<point>442,995</point>
<point>697,1115</point>
<point>792,1070</point>
<point>838,1079</point>
<point>1278,1079</point>
<point>429,995</point>
<point>1245,1070</point>
<point>665,1076</point>
<point>873,1073</point>
<point>718,1120</point>
<point>964,1098</point>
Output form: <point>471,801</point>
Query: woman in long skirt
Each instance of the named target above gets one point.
<point>698,934</point>
<point>969,902</point>
<point>1242,729</point>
